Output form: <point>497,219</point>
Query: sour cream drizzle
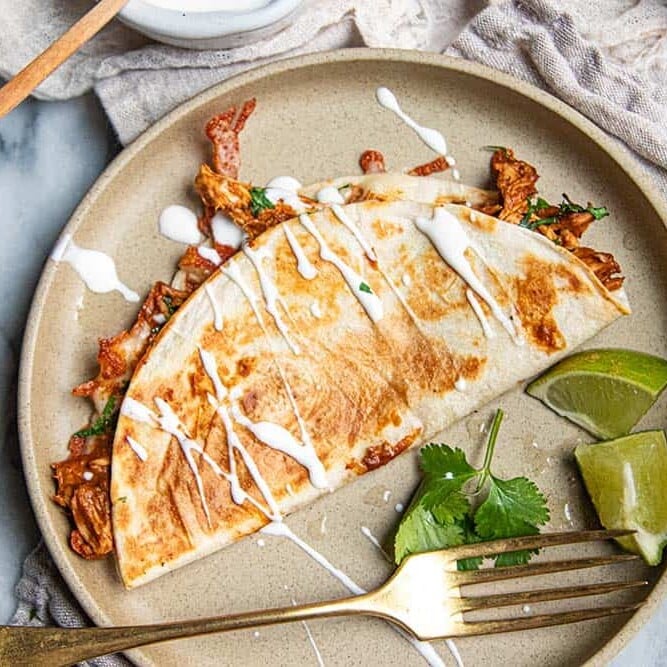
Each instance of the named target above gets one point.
<point>208,362</point>
<point>170,423</point>
<point>340,213</point>
<point>315,310</point>
<point>179,224</point>
<point>233,274</point>
<point>210,254</point>
<point>330,195</point>
<point>217,313</point>
<point>138,449</point>
<point>285,188</point>
<point>432,138</point>
<point>311,639</point>
<point>278,437</point>
<point>368,300</point>
<point>366,532</point>
<point>271,296</point>
<point>137,411</point>
<point>282,530</point>
<point>95,268</point>
<point>225,231</point>
<point>303,264</point>
<point>481,315</point>
<point>239,496</point>
<point>451,241</point>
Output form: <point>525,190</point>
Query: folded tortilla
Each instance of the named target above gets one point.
<point>321,353</point>
<point>392,186</point>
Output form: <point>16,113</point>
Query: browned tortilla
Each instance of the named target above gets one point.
<point>365,390</point>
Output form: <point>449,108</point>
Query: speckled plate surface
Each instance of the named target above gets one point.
<point>314,117</point>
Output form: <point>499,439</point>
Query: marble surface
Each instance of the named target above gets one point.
<point>50,154</point>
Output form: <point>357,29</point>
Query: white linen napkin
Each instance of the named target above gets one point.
<point>618,79</point>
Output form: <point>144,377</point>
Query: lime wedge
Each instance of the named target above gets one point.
<point>604,391</point>
<point>626,480</point>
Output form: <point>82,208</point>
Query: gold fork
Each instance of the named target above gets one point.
<point>423,597</point>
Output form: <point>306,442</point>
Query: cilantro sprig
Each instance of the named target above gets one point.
<point>459,504</point>
<point>104,423</point>
<point>537,205</point>
<point>259,201</point>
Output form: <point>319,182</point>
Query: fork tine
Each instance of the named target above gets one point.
<point>534,569</point>
<point>532,542</point>
<point>542,621</point>
<point>544,595</point>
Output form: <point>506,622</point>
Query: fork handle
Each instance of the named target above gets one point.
<point>54,647</point>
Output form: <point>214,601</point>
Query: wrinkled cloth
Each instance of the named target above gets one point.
<point>607,60</point>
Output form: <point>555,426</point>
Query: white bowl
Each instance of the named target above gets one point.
<point>218,29</point>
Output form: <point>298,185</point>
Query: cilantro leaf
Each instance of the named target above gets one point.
<point>453,507</point>
<point>513,508</point>
<point>445,462</point>
<point>445,472</point>
<point>510,504</point>
<point>259,201</point>
<point>419,531</point>
<point>104,423</point>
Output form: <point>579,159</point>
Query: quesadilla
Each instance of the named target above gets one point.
<point>329,345</point>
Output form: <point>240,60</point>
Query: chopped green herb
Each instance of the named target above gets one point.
<point>104,423</point>
<point>342,187</point>
<point>259,201</point>
<point>565,207</point>
<point>458,504</point>
<point>33,614</point>
<point>495,148</point>
<point>365,287</point>
<point>122,499</point>
<point>169,303</point>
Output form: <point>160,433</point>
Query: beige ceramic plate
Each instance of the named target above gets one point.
<point>314,117</point>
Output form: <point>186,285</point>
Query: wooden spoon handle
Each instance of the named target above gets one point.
<point>18,88</point>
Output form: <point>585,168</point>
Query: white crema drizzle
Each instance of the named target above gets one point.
<point>137,411</point>
<point>233,274</point>
<point>432,138</point>
<point>210,254</point>
<point>449,238</point>
<point>340,213</point>
<point>178,223</point>
<point>282,530</point>
<point>285,188</point>
<point>137,448</point>
<point>279,438</point>
<point>95,268</point>
<point>170,423</point>
<point>303,264</point>
<point>481,315</point>
<point>368,299</point>
<point>215,306</point>
<point>225,231</point>
<point>329,195</point>
<point>271,296</point>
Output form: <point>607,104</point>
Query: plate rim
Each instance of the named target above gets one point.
<point>618,152</point>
